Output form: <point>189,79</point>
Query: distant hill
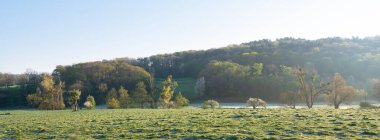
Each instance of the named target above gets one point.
<point>259,68</point>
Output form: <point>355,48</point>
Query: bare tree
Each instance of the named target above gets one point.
<point>309,87</point>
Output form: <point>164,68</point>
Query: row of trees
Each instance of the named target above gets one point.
<point>335,91</point>
<point>121,99</point>
<point>50,96</point>
<point>229,80</point>
<point>327,56</point>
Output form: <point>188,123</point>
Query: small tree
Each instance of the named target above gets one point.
<point>35,99</point>
<point>140,94</point>
<point>180,100</point>
<point>376,89</point>
<point>112,100</point>
<point>256,102</point>
<point>290,98</point>
<point>210,104</point>
<point>168,89</point>
<point>339,92</point>
<point>125,101</point>
<point>309,88</point>
<point>200,86</point>
<point>113,103</point>
<point>90,102</point>
<point>73,99</point>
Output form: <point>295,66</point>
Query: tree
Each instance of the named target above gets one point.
<point>35,99</point>
<point>49,95</point>
<point>376,88</point>
<point>168,89</point>
<point>90,102</point>
<point>200,86</point>
<point>74,97</point>
<point>77,85</point>
<point>180,100</point>
<point>113,103</point>
<point>112,99</point>
<point>152,89</point>
<point>210,104</point>
<point>339,92</point>
<point>225,79</point>
<point>125,101</point>
<point>256,69</point>
<point>290,98</point>
<point>309,87</point>
<point>256,102</point>
<point>140,94</point>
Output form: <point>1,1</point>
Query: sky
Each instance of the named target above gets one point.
<point>42,34</point>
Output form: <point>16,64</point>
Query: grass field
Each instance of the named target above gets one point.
<point>191,124</point>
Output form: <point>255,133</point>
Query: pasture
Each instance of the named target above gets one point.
<point>191,124</point>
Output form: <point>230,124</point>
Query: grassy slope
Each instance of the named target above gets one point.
<point>191,123</point>
<point>185,85</point>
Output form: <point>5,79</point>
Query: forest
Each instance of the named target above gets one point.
<point>265,69</point>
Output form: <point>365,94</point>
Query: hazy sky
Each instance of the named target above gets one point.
<point>40,34</point>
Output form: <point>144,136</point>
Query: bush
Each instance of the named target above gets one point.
<point>256,102</point>
<point>366,105</point>
<point>180,101</point>
<point>210,104</point>
<point>90,102</point>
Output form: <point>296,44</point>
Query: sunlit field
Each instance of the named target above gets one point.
<point>191,124</point>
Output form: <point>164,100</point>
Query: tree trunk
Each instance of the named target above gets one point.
<point>336,106</point>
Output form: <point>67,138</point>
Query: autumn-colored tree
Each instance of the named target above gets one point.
<point>49,95</point>
<point>309,88</point>
<point>339,92</point>
<point>73,99</point>
<point>140,95</point>
<point>168,89</point>
<point>124,99</point>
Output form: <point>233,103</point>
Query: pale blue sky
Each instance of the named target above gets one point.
<point>40,34</point>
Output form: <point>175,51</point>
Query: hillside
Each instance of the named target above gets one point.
<point>262,68</point>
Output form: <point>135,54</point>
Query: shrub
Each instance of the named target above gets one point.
<point>90,102</point>
<point>366,105</point>
<point>256,102</point>
<point>210,104</point>
<point>181,101</point>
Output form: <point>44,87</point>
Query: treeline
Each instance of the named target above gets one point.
<point>229,72</point>
<point>262,69</point>
<point>97,78</point>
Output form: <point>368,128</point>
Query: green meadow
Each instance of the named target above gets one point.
<point>191,124</point>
